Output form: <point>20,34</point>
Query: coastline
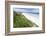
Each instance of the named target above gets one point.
<point>31,18</point>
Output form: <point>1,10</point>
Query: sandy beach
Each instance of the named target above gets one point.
<point>31,18</point>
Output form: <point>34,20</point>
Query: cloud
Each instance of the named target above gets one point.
<point>32,10</point>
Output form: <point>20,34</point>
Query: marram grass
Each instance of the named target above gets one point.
<point>21,21</point>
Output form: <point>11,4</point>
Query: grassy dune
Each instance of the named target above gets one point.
<point>21,21</point>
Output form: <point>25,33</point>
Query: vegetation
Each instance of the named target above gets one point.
<point>21,21</point>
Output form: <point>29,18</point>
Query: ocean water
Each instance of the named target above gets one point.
<point>36,15</point>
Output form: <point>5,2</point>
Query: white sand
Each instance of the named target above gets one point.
<point>31,18</point>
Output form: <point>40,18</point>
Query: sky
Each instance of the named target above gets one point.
<point>32,10</point>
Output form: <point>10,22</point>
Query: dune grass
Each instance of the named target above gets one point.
<point>21,21</point>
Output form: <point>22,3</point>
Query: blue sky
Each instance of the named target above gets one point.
<point>32,10</point>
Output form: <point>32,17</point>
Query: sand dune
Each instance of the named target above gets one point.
<point>31,18</point>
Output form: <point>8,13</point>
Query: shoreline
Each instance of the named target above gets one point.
<point>31,18</point>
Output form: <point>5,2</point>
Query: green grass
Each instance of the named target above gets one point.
<point>21,21</point>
